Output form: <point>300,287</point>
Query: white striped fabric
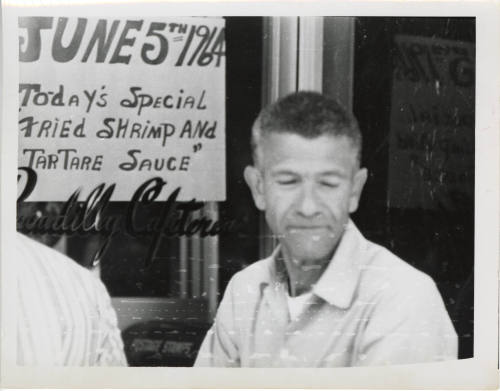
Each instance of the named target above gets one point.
<point>64,313</point>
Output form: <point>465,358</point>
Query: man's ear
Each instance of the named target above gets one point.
<point>255,182</point>
<point>359,181</point>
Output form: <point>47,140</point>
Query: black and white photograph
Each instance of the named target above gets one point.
<point>288,192</point>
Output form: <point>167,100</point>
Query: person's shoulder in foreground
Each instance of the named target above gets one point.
<point>369,308</point>
<point>64,313</point>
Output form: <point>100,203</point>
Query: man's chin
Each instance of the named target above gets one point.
<point>308,256</point>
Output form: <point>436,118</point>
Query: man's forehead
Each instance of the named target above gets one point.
<point>273,138</point>
<point>284,147</point>
<point>311,170</point>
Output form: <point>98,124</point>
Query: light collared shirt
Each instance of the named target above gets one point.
<point>368,308</point>
<point>64,313</point>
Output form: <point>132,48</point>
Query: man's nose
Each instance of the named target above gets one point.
<point>308,204</point>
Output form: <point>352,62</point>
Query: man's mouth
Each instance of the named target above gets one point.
<point>307,229</point>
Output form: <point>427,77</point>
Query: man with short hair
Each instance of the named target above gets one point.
<point>326,297</point>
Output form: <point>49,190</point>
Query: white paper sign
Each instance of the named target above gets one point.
<point>120,101</point>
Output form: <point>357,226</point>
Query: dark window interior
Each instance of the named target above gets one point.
<point>244,75</point>
<point>438,240</point>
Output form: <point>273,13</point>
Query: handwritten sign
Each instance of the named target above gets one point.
<point>431,144</point>
<point>122,101</point>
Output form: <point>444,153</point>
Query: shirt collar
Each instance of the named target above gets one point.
<point>337,285</point>
<point>277,268</point>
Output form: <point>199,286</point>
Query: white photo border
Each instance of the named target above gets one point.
<point>478,372</point>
